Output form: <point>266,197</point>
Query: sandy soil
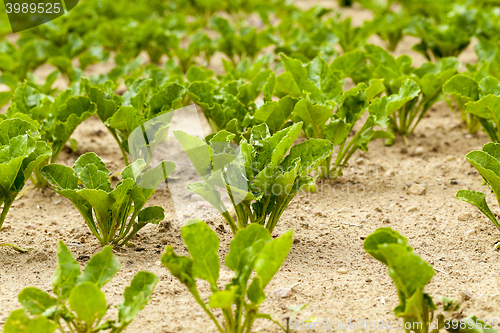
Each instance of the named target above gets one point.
<point>338,280</point>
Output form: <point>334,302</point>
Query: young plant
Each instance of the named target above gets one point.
<point>259,177</point>
<point>487,108</point>
<point>252,249</point>
<point>486,162</point>
<point>56,118</point>
<point>113,215</point>
<point>122,114</point>
<point>463,89</point>
<point>329,113</point>
<point>411,274</point>
<point>43,313</point>
<point>21,150</point>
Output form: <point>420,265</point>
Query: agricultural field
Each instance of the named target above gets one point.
<point>252,166</point>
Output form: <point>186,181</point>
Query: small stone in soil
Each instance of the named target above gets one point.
<point>464,216</point>
<point>343,210</point>
<point>450,158</point>
<point>417,189</point>
<point>412,209</point>
<point>386,220</point>
<point>342,271</point>
<point>368,280</point>
<point>419,151</point>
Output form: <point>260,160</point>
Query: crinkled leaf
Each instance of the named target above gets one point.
<point>203,244</point>
<point>101,268</point>
<point>67,271</point>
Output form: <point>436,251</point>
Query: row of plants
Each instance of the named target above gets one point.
<point>262,104</point>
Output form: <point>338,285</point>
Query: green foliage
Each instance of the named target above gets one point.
<point>43,313</point>
<point>21,150</point>
<point>329,113</point>
<point>55,118</point>
<point>486,162</point>
<point>260,177</point>
<point>463,89</point>
<point>252,250</point>
<point>113,215</point>
<point>411,274</point>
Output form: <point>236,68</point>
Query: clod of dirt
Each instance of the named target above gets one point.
<point>386,220</point>
<point>464,216</point>
<point>450,158</point>
<point>37,257</point>
<point>83,258</point>
<point>417,189</point>
<point>403,151</point>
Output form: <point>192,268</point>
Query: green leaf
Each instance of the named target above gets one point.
<point>154,214</point>
<point>488,166</point>
<point>222,299</point>
<point>19,322</point>
<point>275,114</point>
<point>137,295</point>
<point>60,177</point>
<point>101,268</point>
<point>462,88</point>
<point>197,151</point>
<point>179,266</point>
<point>89,158</point>
<point>272,257</point>
<point>478,199</point>
<point>311,153</point>
<point>313,116</point>
<point>93,178</point>
<point>408,91</point>
<point>379,237</point>
<point>246,246</point>
<point>36,301</point>
<point>67,271</point>
<point>88,302</point>
<point>203,244</point>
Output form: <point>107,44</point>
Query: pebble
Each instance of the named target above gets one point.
<point>450,158</point>
<point>283,292</point>
<point>466,295</point>
<point>464,216</point>
<point>360,160</point>
<point>470,232</point>
<point>368,280</point>
<point>343,210</point>
<point>165,240</point>
<point>389,173</point>
<point>386,220</point>
<point>195,198</point>
<point>417,189</point>
<point>412,209</point>
<point>342,271</point>
<point>419,150</point>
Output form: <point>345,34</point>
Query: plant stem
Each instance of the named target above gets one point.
<point>15,247</point>
<point>229,220</point>
<point>194,292</point>
<point>7,203</point>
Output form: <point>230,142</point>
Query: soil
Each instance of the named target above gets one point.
<point>327,264</point>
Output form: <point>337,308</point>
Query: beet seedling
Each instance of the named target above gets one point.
<point>252,249</point>
<point>110,213</point>
<point>43,313</point>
